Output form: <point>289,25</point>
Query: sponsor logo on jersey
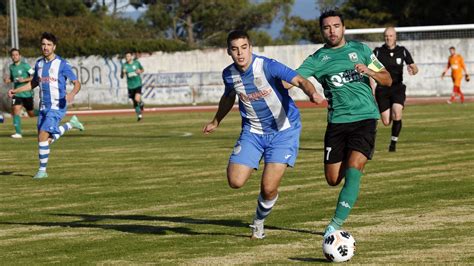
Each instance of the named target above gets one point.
<point>254,96</point>
<point>346,77</point>
<point>353,57</point>
<point>48,79</point>
<point>325,58</point>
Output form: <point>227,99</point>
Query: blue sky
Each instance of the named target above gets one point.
<point>305,9</point>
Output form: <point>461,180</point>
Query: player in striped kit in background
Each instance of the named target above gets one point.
<point>51,74</point>
<point>270,121</point>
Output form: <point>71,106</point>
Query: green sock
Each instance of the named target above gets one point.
<point>347,197</point>
<point>17,124</point>
<point>36,112</point>
<point>137,109</point>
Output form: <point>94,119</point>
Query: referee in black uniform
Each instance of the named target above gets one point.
<point>392,99</point>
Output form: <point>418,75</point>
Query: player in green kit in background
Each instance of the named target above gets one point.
<point>344,69</point>
<point>132,70</point>
<point>20,74</point>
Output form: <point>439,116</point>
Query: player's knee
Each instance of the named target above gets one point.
<point>333,179</point>
<point>235,182</point>
<point>386,122</point>
<point>269,194</point>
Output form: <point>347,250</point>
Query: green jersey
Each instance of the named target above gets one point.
<point>349,94</point>
<point>133,78</point>
<point>22,70</point>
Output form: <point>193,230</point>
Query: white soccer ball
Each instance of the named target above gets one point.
<point>339,246</point>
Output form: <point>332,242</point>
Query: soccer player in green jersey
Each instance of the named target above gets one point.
<point>20,74</point>
<point>132,70</point>
<point>344,69</point>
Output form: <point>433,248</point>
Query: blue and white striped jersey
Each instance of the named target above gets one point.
<point>52,76</point>
<point>264,104</point>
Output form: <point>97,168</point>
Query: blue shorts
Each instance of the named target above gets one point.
<point>49,120</point>
<point>281,147</point>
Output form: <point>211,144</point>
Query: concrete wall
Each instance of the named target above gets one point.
<point>195,76</point>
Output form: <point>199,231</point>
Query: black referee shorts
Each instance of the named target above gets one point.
<point>387,96</point>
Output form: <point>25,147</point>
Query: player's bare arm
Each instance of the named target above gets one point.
<point>75,90</point>
<point>225,105</point>
<point>28,86</point>
<point>382,77</point>
<point>308,88</point>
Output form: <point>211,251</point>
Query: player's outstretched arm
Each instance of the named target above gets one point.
<point>225,105</point>
<point>27,87</point>
<point>308,88</point>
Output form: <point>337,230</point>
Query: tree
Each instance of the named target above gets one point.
<point>206,22</point>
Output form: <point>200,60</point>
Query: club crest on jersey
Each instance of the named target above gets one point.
<point>258,81</point>
<point>399,61</point>
<point>353,57</point>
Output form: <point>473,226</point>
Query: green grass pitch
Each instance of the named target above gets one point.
<point>155,192</point>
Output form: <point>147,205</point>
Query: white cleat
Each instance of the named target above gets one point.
<point>17,136</point>
<point>258,232</point>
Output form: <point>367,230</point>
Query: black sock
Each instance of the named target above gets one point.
<point>396,128</point>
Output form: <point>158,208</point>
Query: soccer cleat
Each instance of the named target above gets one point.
<point>17,136</point>
<point>257,230</point>
<point>75,123</point>
<point>392,148</point>
<point>329,230</point>
<point>139,117</point>
<point>40,175</point>
<point>449,102</point>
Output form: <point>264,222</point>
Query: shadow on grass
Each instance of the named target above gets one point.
<point>11,173</point>
<point>88,220</point>
<point>310,260</point>
<point>122,136</point>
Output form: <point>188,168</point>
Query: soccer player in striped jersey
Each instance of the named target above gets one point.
<point>270,121</point>
<point>51,74</point>
<point>456,63</point>
<point>343,68</point>
<point>20,74</point>
<point>132,70</point>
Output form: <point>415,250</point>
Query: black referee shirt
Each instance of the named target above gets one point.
<point>393,60</point>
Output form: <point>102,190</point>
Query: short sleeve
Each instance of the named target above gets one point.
<point>307,69</point>
<point>280,71</point>
<point>373,63</point>
<point>67,71</point>
<point>408,58</point>
<point>229,87</point>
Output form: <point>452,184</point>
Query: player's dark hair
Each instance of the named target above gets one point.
<point>50,37</point>
<point>330,13</point>
<point>237,34</point>
<point>13,50</point>
<point>452,47</point>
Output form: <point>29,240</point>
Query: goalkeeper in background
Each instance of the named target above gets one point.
<point>456,63</point>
